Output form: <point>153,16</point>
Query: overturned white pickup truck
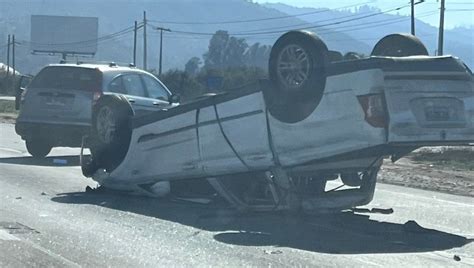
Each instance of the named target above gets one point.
<point>274,144</point>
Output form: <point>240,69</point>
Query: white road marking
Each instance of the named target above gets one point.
<point>10,150</point>
<point>441,200</point>
<point>7,237</point>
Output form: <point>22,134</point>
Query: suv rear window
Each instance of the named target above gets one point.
<point>68,78</point>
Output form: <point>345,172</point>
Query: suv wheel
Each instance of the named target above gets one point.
<point>297,74</point>
<point>110,133</point>
<point>38,148</point>
<point>399,45</point>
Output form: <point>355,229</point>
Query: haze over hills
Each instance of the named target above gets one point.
<point>117,15</point>
<point>202,17</point>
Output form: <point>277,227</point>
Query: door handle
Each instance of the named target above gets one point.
<point>131,100</point>
<point>156,103</point>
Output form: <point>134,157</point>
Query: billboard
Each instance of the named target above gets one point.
<point>61,34</point>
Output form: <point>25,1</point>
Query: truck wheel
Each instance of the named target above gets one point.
<point>110,135</point>
<point>399,45</point>
<point>297,74</point>
<point>38,148</point>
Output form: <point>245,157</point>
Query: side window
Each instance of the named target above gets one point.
<point>155,89</point>
<point>117,86</point>
<point>133,85</point>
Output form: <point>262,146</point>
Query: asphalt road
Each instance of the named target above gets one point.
<point>47,220</point>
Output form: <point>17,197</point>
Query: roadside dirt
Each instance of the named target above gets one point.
<point>8,113</point>
<point>448,170</point>
<point>8,118</point>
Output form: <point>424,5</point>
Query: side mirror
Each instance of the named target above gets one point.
<point>175,98</point>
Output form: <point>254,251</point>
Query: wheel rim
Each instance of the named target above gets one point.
<point>293,67</point>
<point>105,125</point>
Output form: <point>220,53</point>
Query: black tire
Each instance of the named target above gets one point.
<point>110,134</point>
<point>38,148</point>
<point>399,45</point>
<point>297,73</point>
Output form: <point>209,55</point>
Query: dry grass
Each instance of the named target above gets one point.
<point>447,157</point>
<point>7,111</point>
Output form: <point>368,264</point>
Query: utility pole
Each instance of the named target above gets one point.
<point>413,17</point>
<point>144,42</point>
<point>8,55</point>
<point>441,29</point>
<point>135,29</point>
<point>13,56</point>
<point>161,46</point>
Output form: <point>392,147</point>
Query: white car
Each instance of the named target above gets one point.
<point>275,144</point>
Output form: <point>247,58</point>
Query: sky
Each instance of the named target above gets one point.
<point>458,12</point>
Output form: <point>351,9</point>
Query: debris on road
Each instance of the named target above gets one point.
<point>203,201</point>
<point>457,258</point>
<point>272,252</point>
<point>373,210</point>
<point>382,210</point>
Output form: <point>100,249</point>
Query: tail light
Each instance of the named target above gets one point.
<point>96,96</point>
<point>374,109</point>
<point>96,88</point>
<point>23,94</point>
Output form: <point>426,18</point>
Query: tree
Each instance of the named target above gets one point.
<point>192,66</point>
<point>181,83</point>
<point>225,51</point>
<point>257,56</point>
<point>214,57</point>
<point>234,52</point>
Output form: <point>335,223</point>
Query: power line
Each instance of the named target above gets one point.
<point>348,28</point>
<point>460,9</point>
<point>256,20</point>
<point>395,20</point>
<point>310,24</point>
<point>312,27</point>
<point>382,23</point>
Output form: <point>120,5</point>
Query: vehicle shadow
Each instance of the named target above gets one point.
<point>64,160</point>
<point>341,233</point>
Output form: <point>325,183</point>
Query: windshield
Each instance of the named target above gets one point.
<point>67,78</point>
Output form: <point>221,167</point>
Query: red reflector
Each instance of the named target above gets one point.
<point>374,109</point>
<point>96,96</point>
